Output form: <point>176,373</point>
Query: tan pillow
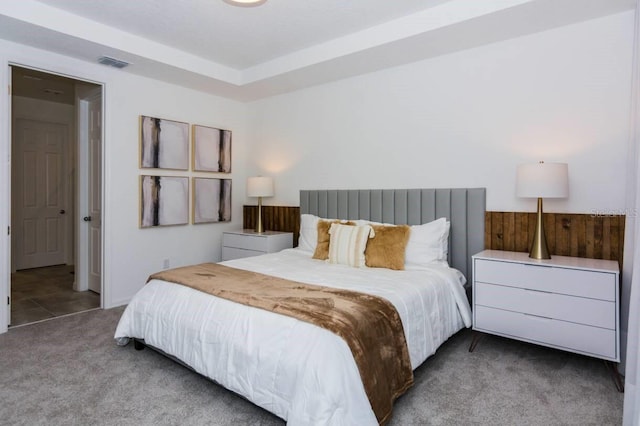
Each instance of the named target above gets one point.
<point>387,248</point>
<point>322,247</point>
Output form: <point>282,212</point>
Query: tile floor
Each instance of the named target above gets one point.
<point>43,293</point>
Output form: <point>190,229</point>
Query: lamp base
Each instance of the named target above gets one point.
<point>539,248</point>
<point>259,227</point>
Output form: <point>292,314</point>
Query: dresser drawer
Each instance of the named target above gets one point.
<point>229,253</point>
<point>249,242</point>
<point>576,282</point>
<point>564,335</point>
<point>598,313</point>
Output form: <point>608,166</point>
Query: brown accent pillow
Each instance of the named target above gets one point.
<point>386,249</point>
<point>322,248</point>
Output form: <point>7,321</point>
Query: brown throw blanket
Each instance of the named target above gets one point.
<point>369,324</point>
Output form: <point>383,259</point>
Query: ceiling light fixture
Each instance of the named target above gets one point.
<point>245,3</point>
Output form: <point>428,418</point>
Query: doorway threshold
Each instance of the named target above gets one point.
<point>11,327</point>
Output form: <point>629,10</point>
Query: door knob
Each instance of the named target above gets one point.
<point>62,211</point>
<point>87,218</point>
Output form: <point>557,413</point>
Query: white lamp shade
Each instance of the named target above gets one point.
<point>260,187</point>
<point>542,180</point>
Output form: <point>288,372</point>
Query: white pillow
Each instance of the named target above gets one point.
<point>308,238</point>
<point>347,244</point>
<point>427,243</point>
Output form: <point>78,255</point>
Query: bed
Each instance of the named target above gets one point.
<point>294,369</point>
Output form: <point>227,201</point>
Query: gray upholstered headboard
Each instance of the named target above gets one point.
<point>464,207</point>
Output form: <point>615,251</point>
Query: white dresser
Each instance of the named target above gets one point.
<point>247,243</point>
<point>566,303</point>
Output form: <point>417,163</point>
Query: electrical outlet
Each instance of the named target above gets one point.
<point>166,264</point>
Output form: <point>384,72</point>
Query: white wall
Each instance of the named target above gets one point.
<point>464,120</point>
<point>35,109</point>
<point>135,252</point>
<point>131,254</point>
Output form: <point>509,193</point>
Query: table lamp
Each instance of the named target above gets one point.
<point>542,180</point>
<point>260,187</point>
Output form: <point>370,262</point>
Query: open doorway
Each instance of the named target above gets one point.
<point>56,181</point>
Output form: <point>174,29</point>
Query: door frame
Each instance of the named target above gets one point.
<point>5,182</point>
<point>5,214</point>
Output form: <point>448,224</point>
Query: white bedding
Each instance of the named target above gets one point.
<point>300,372</point>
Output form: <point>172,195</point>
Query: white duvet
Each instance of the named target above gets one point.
<point>300,372</point>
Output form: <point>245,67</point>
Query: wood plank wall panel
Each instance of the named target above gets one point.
<point>274,218</point>
<point>568,234</point>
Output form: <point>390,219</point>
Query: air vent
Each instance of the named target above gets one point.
<point>112,62</point>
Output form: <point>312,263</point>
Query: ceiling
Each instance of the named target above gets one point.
<point>283,45</point>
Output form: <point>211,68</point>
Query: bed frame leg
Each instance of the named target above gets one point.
<point>138,345</point>
<point>477,336</point>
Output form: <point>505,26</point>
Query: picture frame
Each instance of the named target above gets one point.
<point>211,149</point>
<point>164,201</point>
<point>211,200</point>
<point>164,144</point>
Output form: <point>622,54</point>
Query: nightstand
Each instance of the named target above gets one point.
<point>566,303</point>
<point>247,243</point>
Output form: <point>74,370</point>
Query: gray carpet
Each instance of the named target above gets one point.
<point>68,371</point>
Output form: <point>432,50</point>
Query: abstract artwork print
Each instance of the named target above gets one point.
<point>164,144</point>
<point>211,200</point>
<point>164,200</point>
<point>211,149</point>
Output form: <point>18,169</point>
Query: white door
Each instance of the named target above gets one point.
<point>95,192</point>
<point>38,198</point>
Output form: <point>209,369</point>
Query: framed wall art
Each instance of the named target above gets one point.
<point>164,201</point>
<point>211,149</point>
<point>211,200</point>
<point>164,144</point>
